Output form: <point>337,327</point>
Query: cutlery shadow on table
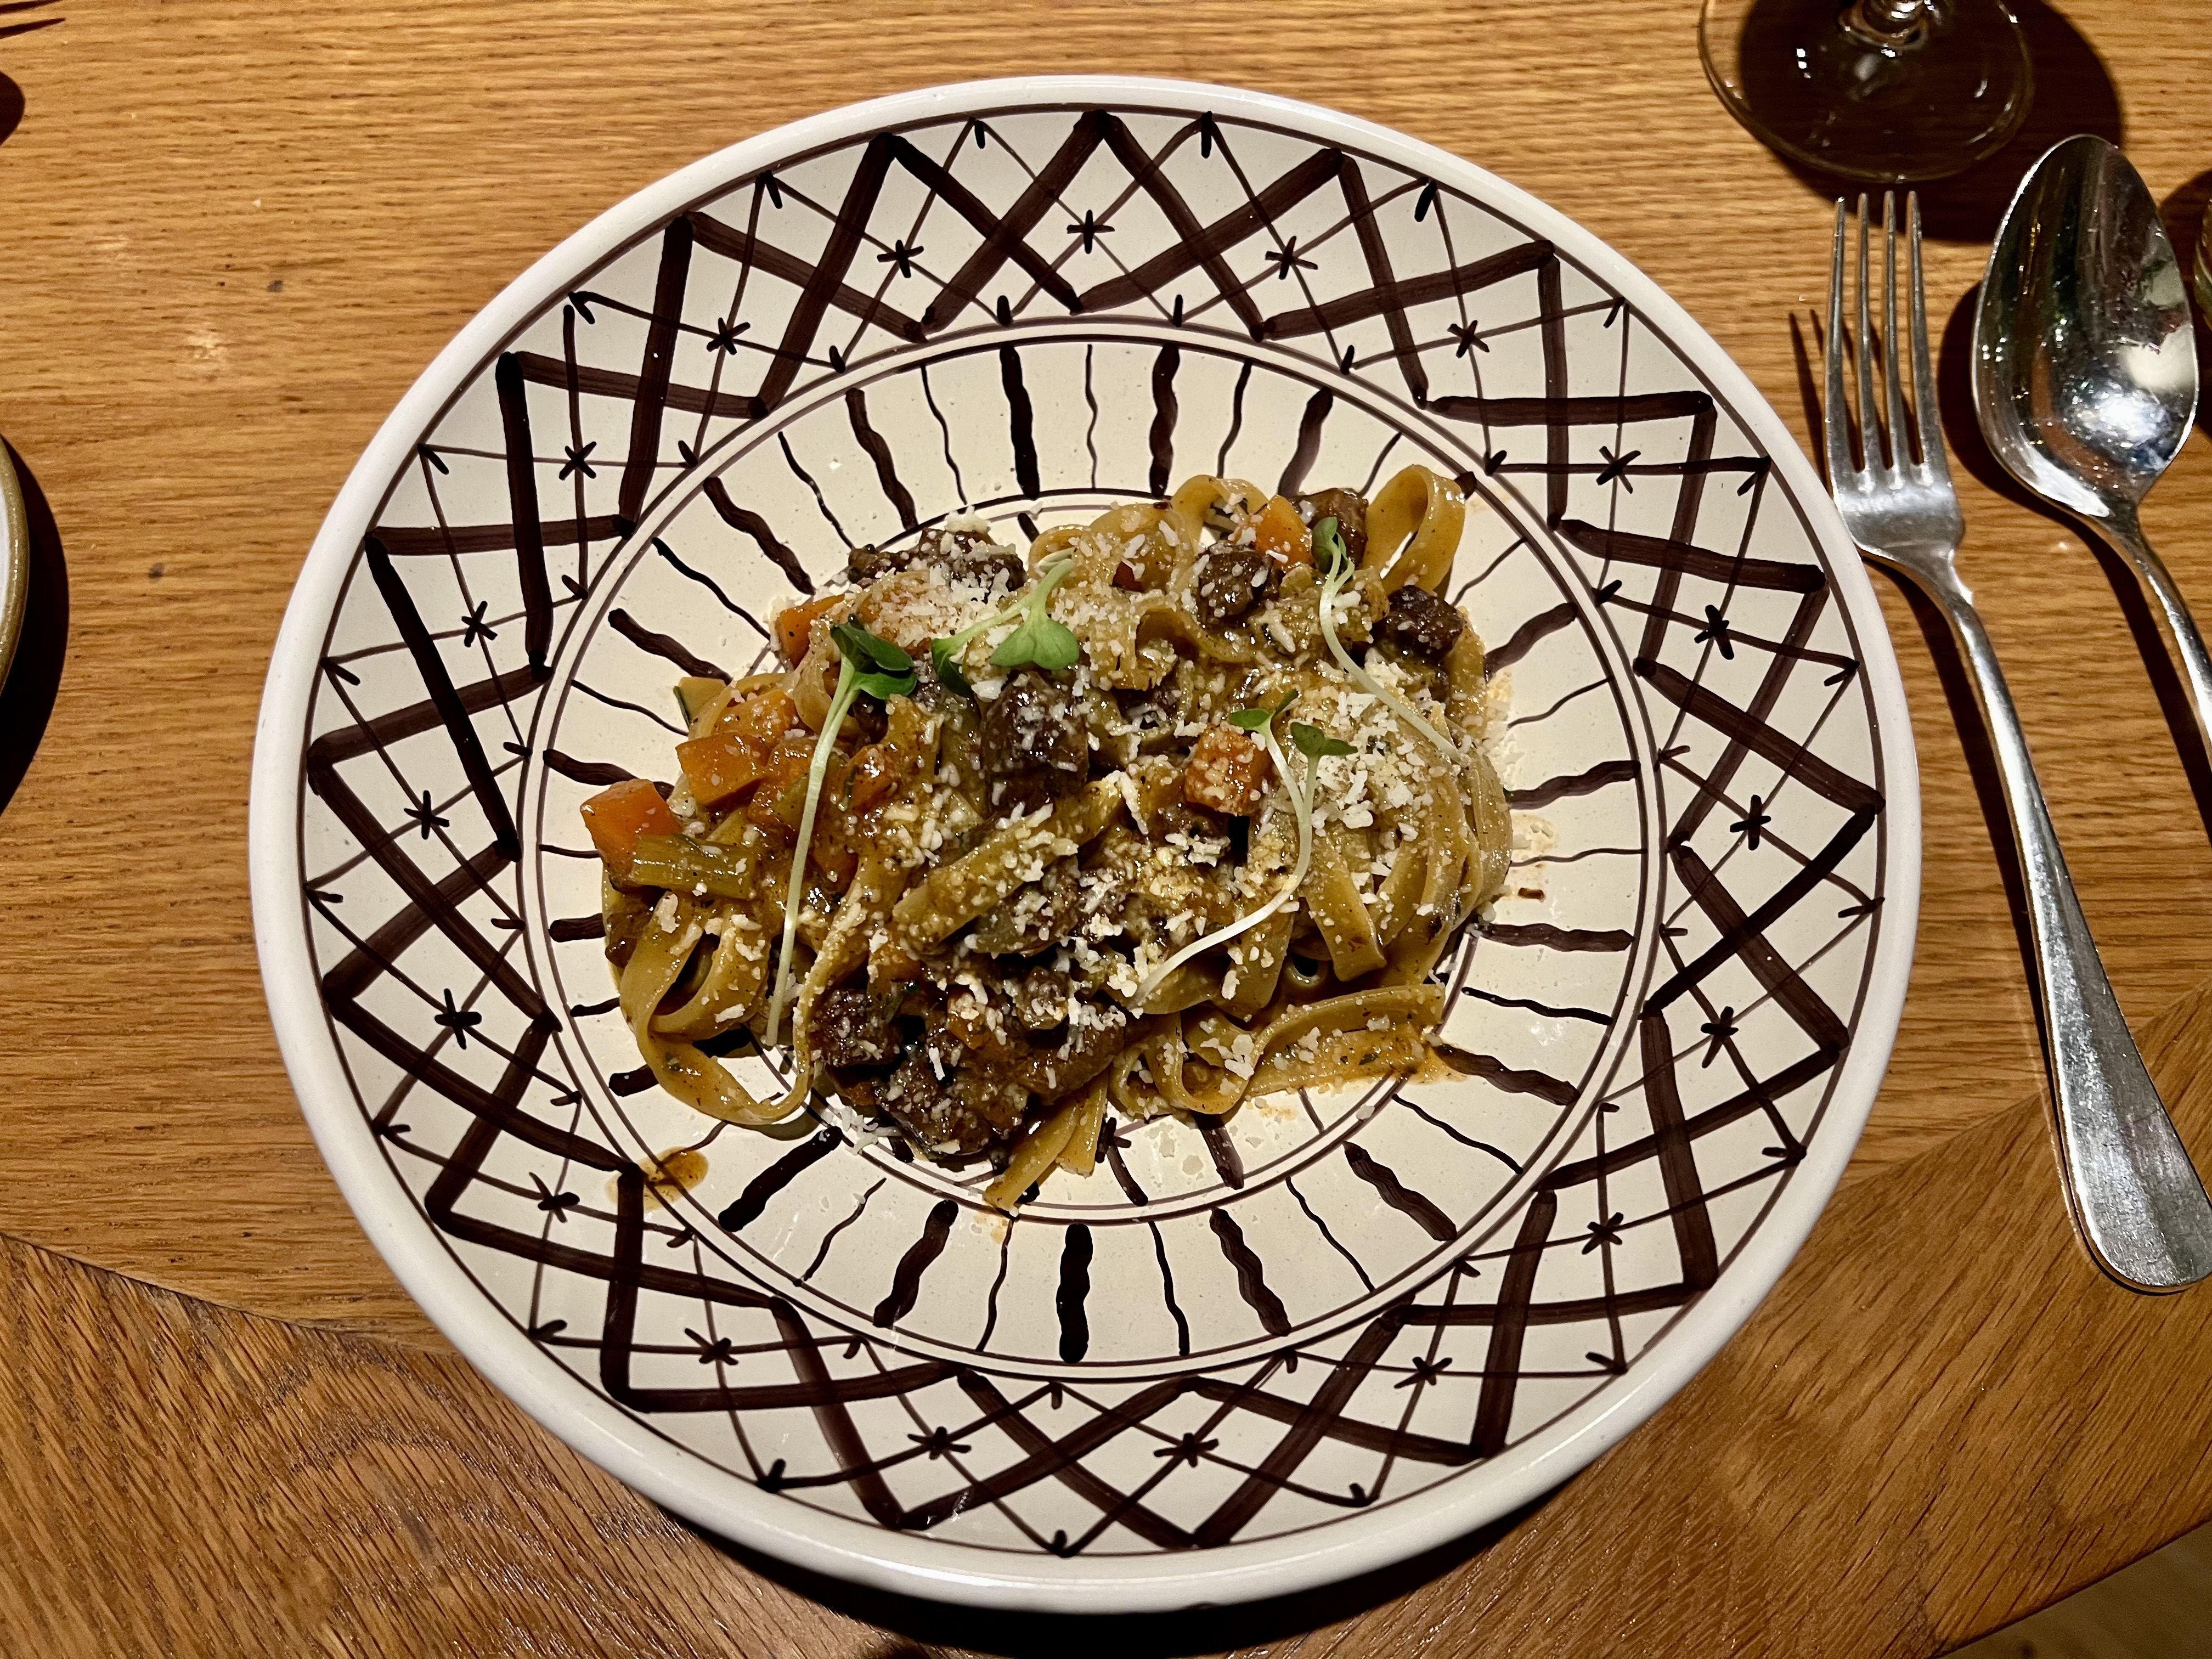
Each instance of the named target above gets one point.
<point>2074,92</point>
<point>27,698</point>
<point>1199,1630</point>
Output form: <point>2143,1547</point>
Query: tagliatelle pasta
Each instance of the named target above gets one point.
<point>1182,808</point>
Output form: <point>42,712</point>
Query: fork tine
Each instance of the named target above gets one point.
<point>1892,368</point>
<point>1923,370</point>
<point>1869,418</point>
<point>1837,421</point>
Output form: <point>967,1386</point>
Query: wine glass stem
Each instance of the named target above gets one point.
<point>1885,23</point>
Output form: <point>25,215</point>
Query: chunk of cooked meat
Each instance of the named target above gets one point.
<point>1228,772</point>
<point>961,1113</point>
<point>1230,580</point>
<point>1040,998</point>
<point>1049,1060</point>
<point>1199,834</point>
<point>1035,746</point>
<point>964,556</point>
<point>1418,621</point>
<point>850,1028</point>
<point>1350,512</point>
<point>1037,916</point>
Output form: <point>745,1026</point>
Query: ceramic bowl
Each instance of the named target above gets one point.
<point>1334,1329</point>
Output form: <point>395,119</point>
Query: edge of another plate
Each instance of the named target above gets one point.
<point>14,563</point>
<point>913,1565</point>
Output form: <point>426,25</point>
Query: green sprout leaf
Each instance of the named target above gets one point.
<point>892,673</point>
<point>886,686</point>
<point>944,662</point>
<point>1313,743</point>
<point>1328,546</point>
<point>1039,639</point>
<point>1259,720</point>
<point>861,647</point>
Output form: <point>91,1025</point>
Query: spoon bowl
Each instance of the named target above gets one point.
<point>2085,360</point>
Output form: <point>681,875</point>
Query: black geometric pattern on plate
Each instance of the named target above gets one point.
<point>1245,1332</point>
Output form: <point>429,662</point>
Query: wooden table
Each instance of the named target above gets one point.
<point>235,232</point>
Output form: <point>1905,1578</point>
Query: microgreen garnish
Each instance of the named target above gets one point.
<point>855,641</point>
<point>1039,639</point>
<point>1255,720</point>
<point>881,669</point>
<point>892,673</point>
<point>1314,743</point>
<point>1311,742</point>
<point>1338,570</point>
<point>944,662</point>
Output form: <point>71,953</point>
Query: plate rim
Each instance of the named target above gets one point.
<point>911,1564</point>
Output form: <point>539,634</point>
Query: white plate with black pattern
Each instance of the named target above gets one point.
<point>1331,1332</point>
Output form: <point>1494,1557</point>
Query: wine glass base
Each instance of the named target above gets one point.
<point>1807,80</point>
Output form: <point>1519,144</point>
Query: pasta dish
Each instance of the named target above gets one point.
<point>1180,809</point>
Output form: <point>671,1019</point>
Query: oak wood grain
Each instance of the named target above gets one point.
<point>241,229</point>
<point>1943,1418</point>
<point>237,230</point>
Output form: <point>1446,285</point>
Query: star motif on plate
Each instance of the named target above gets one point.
<point>1752,822</point>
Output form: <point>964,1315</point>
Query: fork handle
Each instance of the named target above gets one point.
<point>2139,1204</point>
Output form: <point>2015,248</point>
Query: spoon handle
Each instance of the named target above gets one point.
<point>2137,1198</point>
<point>2125,532</point>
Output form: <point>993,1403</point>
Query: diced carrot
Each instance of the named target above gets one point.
<point>1228,772</point>
<point>617,815</point>
<point>741,749</point>
<point>876,772</point>
<point>761,719</point>
<point>719,765</point>
<point>1281,534</point>
<point>776,804</point>
<point>794,627</point>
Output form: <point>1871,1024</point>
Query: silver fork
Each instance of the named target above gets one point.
<point>2134,1196</point>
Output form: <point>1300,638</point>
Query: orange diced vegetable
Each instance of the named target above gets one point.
<point>617,817</point>
<point>876,772</point>
<point>719,766</point>
<point>1281,534</point>
<point>776,804</point>
<point>741,750</point>
<point>794,627</point>
<point>760,720</point>
<point>1228,772</point>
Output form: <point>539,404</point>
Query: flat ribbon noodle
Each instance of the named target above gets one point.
<point>1414,528</point>
<point>693,1076</point>
<point>953,895</point>
<point>1329,986</point>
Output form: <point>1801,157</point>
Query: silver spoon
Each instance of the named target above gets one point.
<point>2085,379</point>
<point>2085,359</point>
